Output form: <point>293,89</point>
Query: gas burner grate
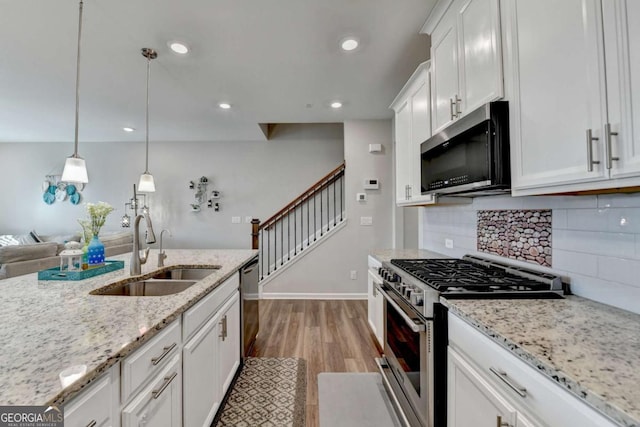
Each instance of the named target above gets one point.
<point>455,275</point>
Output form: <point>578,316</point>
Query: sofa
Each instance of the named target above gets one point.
<point>29,253</point>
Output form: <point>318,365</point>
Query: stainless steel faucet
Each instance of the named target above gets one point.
<point>136,259</point>
<point>162,256</point>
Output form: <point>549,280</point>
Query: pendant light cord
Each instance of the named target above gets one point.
<point>75,148</point>
<point>146,164</point>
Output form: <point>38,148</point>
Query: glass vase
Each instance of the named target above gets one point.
<point>95,252</point>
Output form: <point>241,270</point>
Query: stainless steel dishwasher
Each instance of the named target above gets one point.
<point>249,300</point>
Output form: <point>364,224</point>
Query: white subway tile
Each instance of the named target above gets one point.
<point>575,262</point>
<point>560,202</point>
<point>497,202</point>
<point>620,270</point>
<point>623,220</point>
<point>559,219</point>
<point>619,201</point>
<point>594,242</point>
<point>587,219</point>
<point>606,292</point>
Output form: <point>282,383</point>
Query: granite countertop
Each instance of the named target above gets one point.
<point>48,326</point>
<point>591,349</point>
<point>386,255</point>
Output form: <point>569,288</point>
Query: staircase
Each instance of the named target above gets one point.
<point>302,224</point>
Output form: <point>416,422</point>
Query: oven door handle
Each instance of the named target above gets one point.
<point>415,327</point>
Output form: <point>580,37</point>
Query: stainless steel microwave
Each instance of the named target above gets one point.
<point>471,156</point>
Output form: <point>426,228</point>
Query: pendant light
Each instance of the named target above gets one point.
<point>75,168</point>
<point>146,183</point>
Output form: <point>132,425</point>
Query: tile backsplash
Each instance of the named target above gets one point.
<point>523,235</point>
<point>596,240</point>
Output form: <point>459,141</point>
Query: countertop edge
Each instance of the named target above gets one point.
<point>69,393</point>
<point>592,399</point>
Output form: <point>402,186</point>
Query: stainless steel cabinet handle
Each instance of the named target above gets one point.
<point>607,135</point>
<point>590,161</point>
<point>410,192</point>
<point>93,423</point>
<point>223,323</point>
<point>458,102</point>
<point>452,103</point>
<point>165,351</point>
<point>167,380</point>
<point>508,381</point>
<point>500,423</point>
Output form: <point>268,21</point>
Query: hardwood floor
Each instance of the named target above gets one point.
<point>333,336</point>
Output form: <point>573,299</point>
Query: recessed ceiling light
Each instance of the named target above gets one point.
<point>336,104</point>
<point>349,44</point>
<point>224,105</point>
<point>128,129</point>
<point>179,48</point>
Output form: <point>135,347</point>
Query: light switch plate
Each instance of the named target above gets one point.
<point>235,220</point>
<point>361,197</point>
<point>366,220</point>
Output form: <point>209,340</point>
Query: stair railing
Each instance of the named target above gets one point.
<point>299,224</point>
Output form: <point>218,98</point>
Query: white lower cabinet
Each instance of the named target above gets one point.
<point>160,403</point>
<point>211,359</point>
<point>202,398</point>
<point>98,405</point>
<point>486,381</point>
<point>229,344</point>
<point>472,400</point>
<point>375,302</point>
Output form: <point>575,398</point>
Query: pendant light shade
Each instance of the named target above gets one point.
<point>146,184</point>
<point>75,168</point>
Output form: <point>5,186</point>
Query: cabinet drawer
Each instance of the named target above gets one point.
<point>160,403</point>
<point>529,390</point>
<point>94,406</point>
<point>150,359</point>
<point>197,315</point>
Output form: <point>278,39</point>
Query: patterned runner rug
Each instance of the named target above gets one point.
<point>269,392</point>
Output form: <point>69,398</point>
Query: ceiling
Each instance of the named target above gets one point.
<point>274,61</point>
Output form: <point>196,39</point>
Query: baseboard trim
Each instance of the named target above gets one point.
<point>327,296</point>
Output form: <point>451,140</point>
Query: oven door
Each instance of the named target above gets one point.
<point>408,353</point>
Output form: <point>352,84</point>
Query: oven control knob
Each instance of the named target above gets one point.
<point>416,299</point>
<point>394,277</point>
<point>408,291</point>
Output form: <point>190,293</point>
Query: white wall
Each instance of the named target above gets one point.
<point>595,240</point>
<point>255,179</point>
<point>326,270</point>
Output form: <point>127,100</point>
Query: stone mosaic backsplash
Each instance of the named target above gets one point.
<point>524,235</point>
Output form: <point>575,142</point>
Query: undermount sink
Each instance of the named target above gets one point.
<point>183,273</point>
<point>167,282</point>
<point>146,288</point>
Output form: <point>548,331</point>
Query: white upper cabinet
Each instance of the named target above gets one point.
<point>622,47</point>
<point>570,68</point>
<point>466,58</point>
<point>412,123</point>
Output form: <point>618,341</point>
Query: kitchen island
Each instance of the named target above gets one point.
<point>48,326</point>
<point>589,349</point>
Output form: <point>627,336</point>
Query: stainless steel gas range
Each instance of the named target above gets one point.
<point>414,362</point>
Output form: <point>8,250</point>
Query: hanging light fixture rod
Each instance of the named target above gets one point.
<point>75,168</point>
<point>147,183</point>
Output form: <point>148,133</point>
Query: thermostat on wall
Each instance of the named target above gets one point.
<point>371,184</point>
<point>375,148</point>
